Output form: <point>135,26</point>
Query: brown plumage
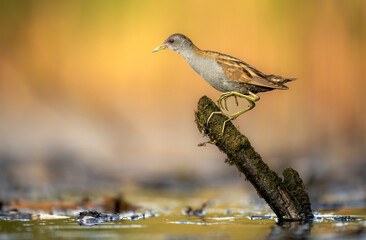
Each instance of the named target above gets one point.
<point>238,71</point>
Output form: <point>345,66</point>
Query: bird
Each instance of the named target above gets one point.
<point>229,75</point>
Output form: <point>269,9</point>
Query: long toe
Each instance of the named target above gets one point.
<point>236,100</point>
<point>211,115</point>
<point>225,122</point>
<point>221,106</point>
<point>225,101</point>
<point>223,126</point>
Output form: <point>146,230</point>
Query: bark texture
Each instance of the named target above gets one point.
<point>288,198</point>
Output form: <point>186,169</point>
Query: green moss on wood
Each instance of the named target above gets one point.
<point>295,186</point>
<point>287,198</point>
<point>229,161</point>
<point>265,174</point>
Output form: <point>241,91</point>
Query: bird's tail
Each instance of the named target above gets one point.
<point>289,80</point>
<point>279,79</point>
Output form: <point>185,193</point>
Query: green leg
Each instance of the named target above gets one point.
<point>236,100</point>
<point>221,106</point>
<point>251,98</point>
<point>223,96</point>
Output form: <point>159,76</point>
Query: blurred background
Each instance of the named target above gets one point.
<point>85,104</point>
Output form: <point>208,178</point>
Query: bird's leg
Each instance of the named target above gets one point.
<point>251,98</point>
<point>223,96</point>
<point>213,113</point>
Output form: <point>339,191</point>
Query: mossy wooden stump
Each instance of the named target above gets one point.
<point>288,198</point>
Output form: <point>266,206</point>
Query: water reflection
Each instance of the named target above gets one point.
<point>290,230</point>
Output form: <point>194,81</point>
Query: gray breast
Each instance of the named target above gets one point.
<point>212,72</point>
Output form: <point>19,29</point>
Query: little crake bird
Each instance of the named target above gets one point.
<point>227,74</point>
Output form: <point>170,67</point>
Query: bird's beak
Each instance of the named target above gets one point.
<point>161,47</point>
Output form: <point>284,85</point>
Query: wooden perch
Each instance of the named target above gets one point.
<point>288,198</point>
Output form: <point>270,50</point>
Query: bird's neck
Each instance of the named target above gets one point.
<point>189,53</point>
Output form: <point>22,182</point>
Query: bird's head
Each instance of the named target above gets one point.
<point>176,42</point>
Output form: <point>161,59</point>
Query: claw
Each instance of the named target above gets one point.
<point>219,101</point>
<point>225,99</point>
<point>221,104</point>
<point>236,100</point>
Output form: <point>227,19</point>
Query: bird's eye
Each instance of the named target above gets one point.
<point>171,40</point>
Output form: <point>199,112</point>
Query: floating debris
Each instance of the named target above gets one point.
<point>318,219</point>
<point>195,212</point>
<point>331,217</point>
<point>260,217</point>
<point>14,214</point>
<point>136,217</point>
<point>344,219</point>
<point>92,217</point>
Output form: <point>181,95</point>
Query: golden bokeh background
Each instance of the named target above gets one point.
<point>80,86</point>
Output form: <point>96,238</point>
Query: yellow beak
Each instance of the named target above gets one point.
<point>161,47</point>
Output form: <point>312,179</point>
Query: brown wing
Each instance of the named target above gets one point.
<point>242,72</point>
